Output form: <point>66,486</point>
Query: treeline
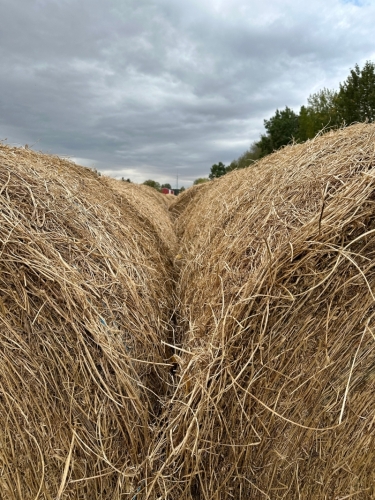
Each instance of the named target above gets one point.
<point>325,110</point>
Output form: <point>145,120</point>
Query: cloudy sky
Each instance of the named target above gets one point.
<point>155,88</point>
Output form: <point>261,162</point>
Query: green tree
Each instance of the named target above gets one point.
<point>168,186</point>
<point>356,97</point>
<point>153,184</point>
<point>281,129</point>
<point>217,170</point>
<point>200,180</point>
<point>320,113</point>
<point>182,189</point>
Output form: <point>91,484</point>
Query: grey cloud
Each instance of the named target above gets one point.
<point>150,87</point>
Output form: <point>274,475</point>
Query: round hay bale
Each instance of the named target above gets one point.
<point>86,291</point>
<point>151,206</point>
<point>139,194</point>
<point>276,377</point>
<point>157,195</point>
<point>186,200</point>
<point>170,198</point>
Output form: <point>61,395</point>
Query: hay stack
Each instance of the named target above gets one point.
<point>186,200</point>
<point>139,194</point>
<point>85,301</point>
<point>276,379</point>
<point>170,198</point>
<point>151,206</point>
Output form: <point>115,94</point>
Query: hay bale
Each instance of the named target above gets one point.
<point>151,206</point>
<point>138,194</point>
<point>85,300</point>
<point>156,195</point>
<point>186,200</point>
<point>275,388</point>
<point>170,198</point>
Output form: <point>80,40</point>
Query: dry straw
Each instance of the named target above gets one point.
<point>169,198</point>
<point>187,200</point>
<point>151,206</point>
<point>273,361</point>
<point>276,365</point>
<point>139,194</point>
<point>86,296</point>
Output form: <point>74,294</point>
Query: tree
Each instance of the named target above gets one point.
<point>281,129</point>
<point>168,186</point>
<point>356,97</point>
<point>217,170</point>
<point>153,184</point>
<point>200,180</point>
<point>320,113</point>
<point>182,189</point>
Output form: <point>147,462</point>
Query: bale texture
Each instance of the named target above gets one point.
<point>86,293</point>
<point>151,207</point>
<point>276,366</point>
<point>186,200</point>
<point>169,198</point>
<point>140,194</point>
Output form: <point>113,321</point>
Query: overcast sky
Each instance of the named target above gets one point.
<point>155,88</point>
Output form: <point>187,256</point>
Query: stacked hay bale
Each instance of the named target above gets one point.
<point>276,367</point>
<point>85,300</point>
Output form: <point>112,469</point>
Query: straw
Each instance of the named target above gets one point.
<point>275,371</point>
<point>86,297</point>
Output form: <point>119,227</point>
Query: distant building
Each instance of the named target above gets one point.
<point>167,191</point>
